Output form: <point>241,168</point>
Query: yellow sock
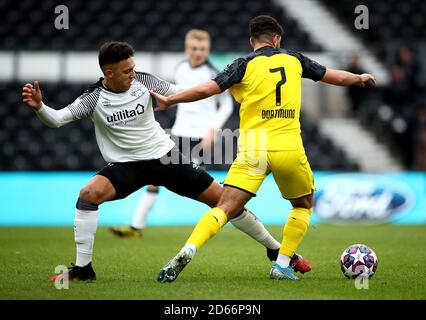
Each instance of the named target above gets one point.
<point>295,230</point>
<point>207,227</point>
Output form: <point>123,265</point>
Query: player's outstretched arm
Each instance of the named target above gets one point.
<point>199,92</point>
<point>345,78</point>
<point>32,98</point>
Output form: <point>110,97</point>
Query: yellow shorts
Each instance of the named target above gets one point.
<point>290,169</point>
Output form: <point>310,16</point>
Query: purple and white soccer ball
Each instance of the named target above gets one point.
<point>358,260</point>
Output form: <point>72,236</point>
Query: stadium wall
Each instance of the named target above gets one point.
<point>48,199</point>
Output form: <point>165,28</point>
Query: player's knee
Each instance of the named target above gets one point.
<point>310,201</point>
<point>211,195</point>
<point>303,204</point>
<point>216,192</point>
<point>153,189</point>
<point>306,202</point>
<point>92,194</point>
<point>231,210</point>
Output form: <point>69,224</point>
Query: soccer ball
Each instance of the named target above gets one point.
<point>358,260</point>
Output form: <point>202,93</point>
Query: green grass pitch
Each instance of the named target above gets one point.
<point>231,266</point>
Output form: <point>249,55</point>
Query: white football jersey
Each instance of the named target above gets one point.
<point>125,127</point>
<point>194,119</point>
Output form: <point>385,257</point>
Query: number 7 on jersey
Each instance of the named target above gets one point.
<point>279,84</point>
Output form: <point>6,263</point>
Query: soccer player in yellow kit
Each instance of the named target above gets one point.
<point>267,83</point>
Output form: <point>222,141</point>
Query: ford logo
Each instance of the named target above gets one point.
<point>361,199</point>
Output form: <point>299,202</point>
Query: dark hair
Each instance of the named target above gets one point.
<point>262,26</point>
<point>114,51</point>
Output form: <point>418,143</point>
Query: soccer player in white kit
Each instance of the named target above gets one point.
<point>137,150</point>
<point>196,123</point>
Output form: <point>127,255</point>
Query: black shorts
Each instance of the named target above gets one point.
<point>184,178</point>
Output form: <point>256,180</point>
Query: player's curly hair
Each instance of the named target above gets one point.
<point>264,26</point>
<point>114,51</point>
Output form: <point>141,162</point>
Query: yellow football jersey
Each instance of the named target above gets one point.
<point>267,83</point>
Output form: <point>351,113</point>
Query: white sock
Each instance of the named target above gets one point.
<point>191,248</point>
<point>85,225</point>
<point>283,260</point>
<point>145,205</point>
<point>248,223</point>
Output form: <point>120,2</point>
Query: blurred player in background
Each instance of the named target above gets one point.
<point>267,83</point>
<point>136,148</point>
<point>196,123</point>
